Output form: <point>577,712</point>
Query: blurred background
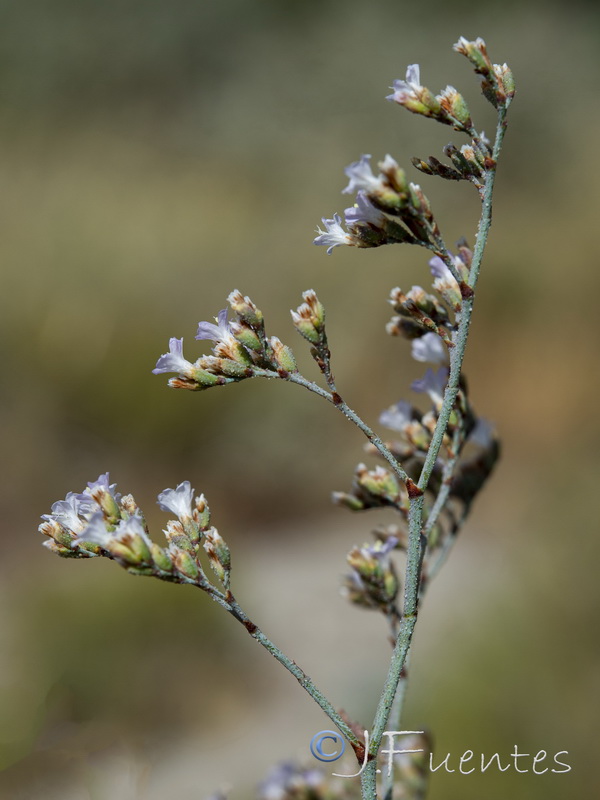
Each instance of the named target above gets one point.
<point>156,154</point>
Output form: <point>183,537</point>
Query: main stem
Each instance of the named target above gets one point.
<point>415,520</point>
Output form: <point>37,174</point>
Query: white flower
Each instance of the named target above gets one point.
<point>333,235</point>
<point>433,384</point>
<point>361,176</point>
<point>409,87</point>
<point>95,532</point>
<point>364,211</point>
<point>68,513</point>
<point>219,332</point>
<point>397,417</point>
<point>429,348</point>
<point>178,501</point>
<point>482,434</point>
<point>173,361</point>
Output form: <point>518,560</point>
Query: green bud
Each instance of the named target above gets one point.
<point>201,513</point>
<point>348,500</point>
<point>246,310</point>
<point>379,483</point>
<point>204,378</point>
<point>183,562</point>
<point>56,533</point>
<point>160,558</point>
<point>225,366</point>
<point>246,336</point>
<point>219,555</point>
<point>282,355</point>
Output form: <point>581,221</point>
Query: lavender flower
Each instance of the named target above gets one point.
<point>178,501</point>
<point>173,361</point>
<point>361,176</point>
<point>333,235</point>
<point>406,89</point>
<point>68,512</point>
<point>364,212</point>
<point>433,384</point>
<point>396,417</point>
<point>285,781</point>
<point>100,493</point>
<point>381,550</point>
<point>219,332</point>
<point>440,270</point>
<point>95,532</point>
<point>482,434</point>
<point>429,347</point>
<point>128,541</point>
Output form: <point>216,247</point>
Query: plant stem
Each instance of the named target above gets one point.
<point>447,475</point>
<point>414,552</point>
<point>303,679</point>
<point>336,400</point>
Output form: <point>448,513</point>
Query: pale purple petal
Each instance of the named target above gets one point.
<point>173,361</point>
<point>413,75</point>
<point>382,549</point>
<point>102,484</point>
<point>409,86</point>
<point>68,512</point>
<point>95,532</point>
<point>208,330</point>
<point>178,501</point>
<point>433,384</point>
<point>483,433</point>
<point>440,270</point>
<point>132,527</point>
<point>333,235</point>
<point>364,211</point>
<point>397,417</point>
<point>361,176</point>
<point>429,348</point>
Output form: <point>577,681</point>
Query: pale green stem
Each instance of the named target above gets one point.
<point>394,723</point>
<point>414,553</point>
<point>447,475</point>
<point>445,549</point>
<point>336,400</point>
<point>230,604</point>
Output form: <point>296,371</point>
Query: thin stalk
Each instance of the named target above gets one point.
<point>303,679</point>
<point>447,475</point>
<point>336,400</point>
<point>394,723</point>
<point>414,551</point>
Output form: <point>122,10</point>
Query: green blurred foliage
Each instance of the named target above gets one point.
<point>156,155</point>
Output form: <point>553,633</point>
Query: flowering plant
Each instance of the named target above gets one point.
<point>433,464</point>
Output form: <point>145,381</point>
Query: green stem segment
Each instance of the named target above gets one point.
<point>414,552</point>
<point>303,679</point>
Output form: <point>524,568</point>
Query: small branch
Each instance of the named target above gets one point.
<point>446,547</point>
<point>303,679</point>
<point>335,399</point>
<point>447,476</point>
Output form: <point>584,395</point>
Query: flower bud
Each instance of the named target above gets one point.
<point>454,104</point>
<point>282,355</point>
<point>219,555</point>
<point>160,558</point>
<point>350,501</point>
<point>183,562</point>
<point>246,310</point>
<point>246,336</point>
<point>201,513</point>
